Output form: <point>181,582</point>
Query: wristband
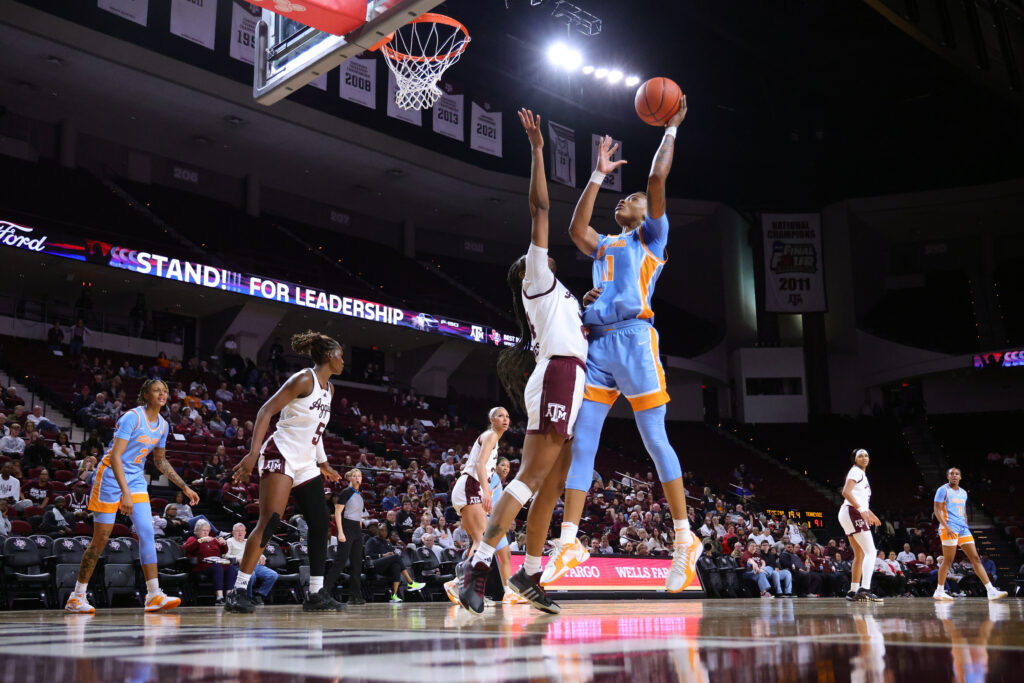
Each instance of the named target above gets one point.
<point>671,131</point>
<point>597,177</point>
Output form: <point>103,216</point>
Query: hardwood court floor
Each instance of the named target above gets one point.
<point>657,640</point>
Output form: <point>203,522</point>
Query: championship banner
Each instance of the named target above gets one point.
<point>485,129</point>
<point>359,81</point>
<point>612,181</point>
<point>793,272</point>
<point>563,153</point>
<point>614,574</point>
<point>132,10</point>
<point>320,82</point>
<point>195,20</point>
<point>244,18</point>
<point>72,245</point>
<point>448,112</point>
<point>413,116</point>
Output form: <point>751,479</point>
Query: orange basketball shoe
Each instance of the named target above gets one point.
<point>568,556</point>
<point>684,565</point>
<point>161,601</point>
<point>79,604</point>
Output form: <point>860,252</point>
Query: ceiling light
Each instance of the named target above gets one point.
<point>632,80</point>
<point>601,73</point>
<point>588,69</point>
<point>564,56</point>
<point>615,76</point>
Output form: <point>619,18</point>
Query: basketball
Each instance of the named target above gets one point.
<point>657,100</point>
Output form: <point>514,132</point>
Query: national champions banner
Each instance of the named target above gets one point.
<point>793,269</point>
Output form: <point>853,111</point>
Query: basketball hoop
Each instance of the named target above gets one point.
<point>418,53</point>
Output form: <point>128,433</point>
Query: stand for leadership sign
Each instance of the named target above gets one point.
<point>793,269</point>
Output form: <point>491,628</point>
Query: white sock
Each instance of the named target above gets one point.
<point>81,588</point>
<point>939,590</point>
<point>484,553</point>
<point>990,588</point>
<point>568,533</point>
<point>315,584</point>
<point>153,586</point>
<point>242,580</point>
<point>854,587</point>
<point>531,565</point>
<point>682,529</point>
<point>865,581</point>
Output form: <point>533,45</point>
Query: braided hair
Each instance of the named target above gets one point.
<point>315,345</point>
<point>146,386</point>
<point>515,363</point>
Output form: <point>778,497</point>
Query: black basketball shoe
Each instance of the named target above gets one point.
<point>528,588</point>
<point>321,601</point>
<point>864,595</point>
<point>238,600</point>
<point>474,583</point>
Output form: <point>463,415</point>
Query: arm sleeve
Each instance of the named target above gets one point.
<point>940,495</point>
<point>654,232</point>
<point>539,279</point>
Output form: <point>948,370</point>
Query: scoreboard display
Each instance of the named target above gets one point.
<point>815,519</point>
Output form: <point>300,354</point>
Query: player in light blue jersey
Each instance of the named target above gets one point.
<point>119,484</point>
<point>623,356</point>
<point>950,508</point>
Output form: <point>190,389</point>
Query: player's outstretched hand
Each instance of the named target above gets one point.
<point>330,474</point>
<point>604,155</point>
<point>680,115</point>
<point>531,124</point>
<point>591,296</point>
<point>193,497</point>
<point>243,470</point>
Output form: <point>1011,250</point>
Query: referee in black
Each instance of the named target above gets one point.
<point>348,515</point>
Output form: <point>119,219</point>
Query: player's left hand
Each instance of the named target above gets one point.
<point>531,124</point>
<point>193,497</point>
<point>871,519</point>
<point>680,115</point>
<point>330,474</point>
<point>591,296</point>
<point>604,155</point>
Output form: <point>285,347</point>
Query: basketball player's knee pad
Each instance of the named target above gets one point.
<point>651,423</point>
<point>268,531</point>
<point>586,435</point>
<point>519,491</point>
<point>142,519</point>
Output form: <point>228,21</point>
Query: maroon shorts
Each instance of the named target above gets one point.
<point>553,395</point>
<point>466,492</point>
<point>852,521</point>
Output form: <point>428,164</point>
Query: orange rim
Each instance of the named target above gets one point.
<point>423,18</point>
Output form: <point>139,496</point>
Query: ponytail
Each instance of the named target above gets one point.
<point>515,363</point>
<point>315,345</point>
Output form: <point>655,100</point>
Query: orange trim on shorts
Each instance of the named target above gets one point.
<point>600,394</point>
<point>660,396</point>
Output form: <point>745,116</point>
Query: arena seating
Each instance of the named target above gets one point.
<point>944,319</point>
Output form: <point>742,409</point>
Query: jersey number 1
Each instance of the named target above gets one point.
<point>319,433</point>
<point>609,268</point>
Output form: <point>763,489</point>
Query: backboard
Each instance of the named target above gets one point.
<point>290,54</point>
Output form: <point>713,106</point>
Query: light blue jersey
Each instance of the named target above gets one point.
<point>142,437</point>
<point>495,485</point>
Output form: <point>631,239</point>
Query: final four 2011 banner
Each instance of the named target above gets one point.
<point>157,265</point>
<point>794,279</point>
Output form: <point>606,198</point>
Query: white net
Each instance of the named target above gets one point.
<point>418,54</point>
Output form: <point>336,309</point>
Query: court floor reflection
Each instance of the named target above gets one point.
<point>689,640</point>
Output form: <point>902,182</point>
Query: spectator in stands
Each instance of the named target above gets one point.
<point>781,578</point>
<point>841,566</point>
<point>98,413</point>
<point>262,576</point>
<point>425,527</point>
<point>11,399</point>
<point>217,424</point>
<point>231,430</point>
<point>62,448</point>
<point>832,583</point>
<point>78,502</point>
<point>174,527</point>
<point>906,555</point>
<point>889,574</point>
<point>55,521</point>
<point>406,518</point>
<point>199,428</point>
<point>990,567</point>
<point>36,453</point>
<point>757,570</point>
<point>41,423</point>
<point>10,486</point>
<point>214,468</point>
<point>4,429</point>
<point>5,523</point>
<point>55,337</point>
<point>461,537</point>
<point>87,468</point>
<point>235,496</point>
<point>13,445</point>
<point>207,551</point>
<point>387,561</point>
<point>805,581</point>
<point>38,490</point>
<point>390,500</point>
<point>443,534</point>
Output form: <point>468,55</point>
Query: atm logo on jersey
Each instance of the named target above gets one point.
<point>322,406</point>
<point>556,412</point>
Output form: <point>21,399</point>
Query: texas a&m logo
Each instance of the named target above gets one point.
<point>556,412</point>
<point>273,465</point>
